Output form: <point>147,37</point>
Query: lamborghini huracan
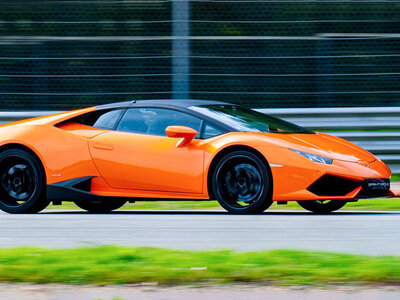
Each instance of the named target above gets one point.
<point>102,157</point>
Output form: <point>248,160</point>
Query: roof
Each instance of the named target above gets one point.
<point>164,102</point>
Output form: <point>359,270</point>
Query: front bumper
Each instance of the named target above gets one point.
<point>335,186</point>
<point>375,188</point>
<point>352,180</point>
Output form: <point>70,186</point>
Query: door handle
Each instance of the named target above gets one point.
<point>103,147</point>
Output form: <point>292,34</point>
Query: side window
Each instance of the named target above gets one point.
<point>108,120</point>
<point>211,131</point>
<point>102,119</point>
<point>154,121</point>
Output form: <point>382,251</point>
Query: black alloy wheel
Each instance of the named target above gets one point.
<point>23,182</point>
<point>322,206</point>
<point>241,183</point>
<point>100,206</point>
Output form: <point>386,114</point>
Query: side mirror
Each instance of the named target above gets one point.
<point>186,134</point>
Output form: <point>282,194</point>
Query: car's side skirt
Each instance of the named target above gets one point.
<point>79,189</point>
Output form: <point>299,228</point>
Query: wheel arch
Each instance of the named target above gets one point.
<point>230,149</point>
<point>28,149</point>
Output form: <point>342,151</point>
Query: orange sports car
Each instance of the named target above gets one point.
<point>101,157</point>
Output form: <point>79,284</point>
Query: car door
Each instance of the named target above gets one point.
<point>138,154</point>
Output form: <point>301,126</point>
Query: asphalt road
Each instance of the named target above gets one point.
<point>236,292</point>
<point>374,233</point>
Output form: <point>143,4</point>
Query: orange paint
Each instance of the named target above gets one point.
<point>176,166</point>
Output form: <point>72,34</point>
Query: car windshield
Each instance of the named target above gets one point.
<point>247,120</point>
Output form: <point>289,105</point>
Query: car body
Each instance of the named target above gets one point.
<point>120,152</point>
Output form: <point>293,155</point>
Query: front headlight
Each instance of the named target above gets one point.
<point>314,157</point>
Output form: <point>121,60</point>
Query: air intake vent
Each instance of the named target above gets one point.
<point>85,185</point>
<point>329,185</point>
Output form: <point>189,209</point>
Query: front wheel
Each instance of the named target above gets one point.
<point>322,206</point>
<point>100,206</point>
<point>241,183</point>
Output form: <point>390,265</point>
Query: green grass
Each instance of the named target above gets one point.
<point>120,265</point>
<point>369,204</point>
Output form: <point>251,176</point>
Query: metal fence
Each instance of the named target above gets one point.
<point>65,54</point>
<point>376,129</point>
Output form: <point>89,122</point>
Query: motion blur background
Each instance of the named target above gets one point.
<point>67,54</point>
<point>59,55</point>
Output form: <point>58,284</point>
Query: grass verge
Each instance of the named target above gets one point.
<point>121,265</point>
<point>367,205</point>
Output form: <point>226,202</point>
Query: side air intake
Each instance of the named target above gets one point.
<point>84,185</point>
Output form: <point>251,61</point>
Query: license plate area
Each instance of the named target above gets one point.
<point>377,184</point>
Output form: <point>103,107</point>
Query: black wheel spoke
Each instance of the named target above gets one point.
<point>240,181</point>
<point>22,182</point>
<point>17,181</point>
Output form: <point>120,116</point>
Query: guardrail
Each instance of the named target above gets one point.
<point>376,129</point>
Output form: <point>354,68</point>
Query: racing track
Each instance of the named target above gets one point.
<point>374,233</point>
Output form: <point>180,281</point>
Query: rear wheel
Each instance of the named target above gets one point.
<point>322,206</point>
<point>241,183</point>
<point>100,206</point>
<point>23,182</point>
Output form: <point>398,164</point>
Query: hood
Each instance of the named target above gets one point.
<point>326,145</point>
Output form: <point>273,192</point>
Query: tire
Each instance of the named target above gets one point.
<point>100,206</point>
<point>241,183</point>
<point>322,207</point>
<point>22,182</point>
